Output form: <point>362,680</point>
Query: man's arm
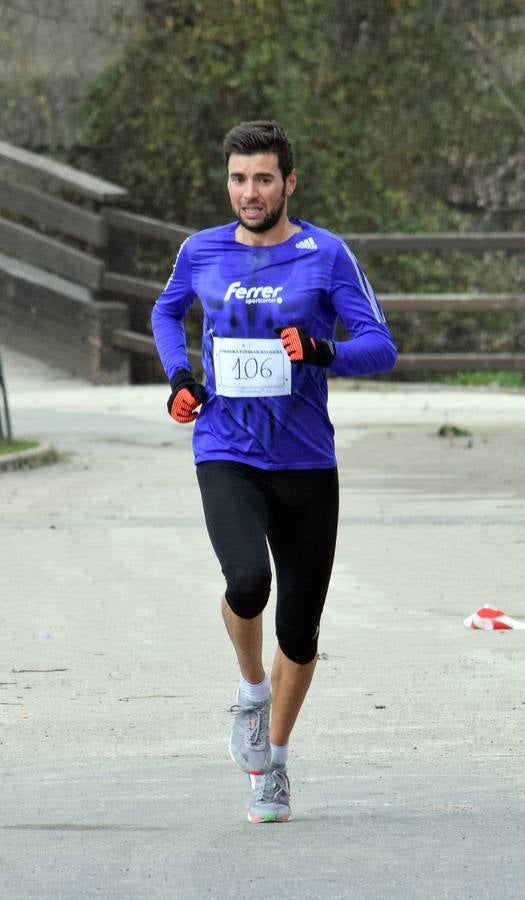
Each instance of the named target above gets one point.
<point>168,331</point>
<point>167,317</point>
<point>371,349</point>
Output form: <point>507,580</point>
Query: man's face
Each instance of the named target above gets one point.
<point>257,190</point>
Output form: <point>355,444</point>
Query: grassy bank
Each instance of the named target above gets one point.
<point>16,446</point>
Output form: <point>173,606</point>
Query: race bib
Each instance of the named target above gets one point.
<point>251,367</point>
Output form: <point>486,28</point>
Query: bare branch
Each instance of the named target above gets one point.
<point>481,53</point>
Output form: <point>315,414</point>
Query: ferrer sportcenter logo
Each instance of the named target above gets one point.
<point>260,294</point>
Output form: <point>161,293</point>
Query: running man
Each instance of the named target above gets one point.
<point>271,287</point>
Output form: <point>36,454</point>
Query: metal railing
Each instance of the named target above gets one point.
<point>5,419</point>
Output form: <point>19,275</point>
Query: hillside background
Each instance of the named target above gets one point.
<point>407,115</point>
<point>50,52</point>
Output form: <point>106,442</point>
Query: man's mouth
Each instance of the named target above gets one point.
<point>251,212</point>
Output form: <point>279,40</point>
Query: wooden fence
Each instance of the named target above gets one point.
<point>70,293</point>
<point>53,240</point>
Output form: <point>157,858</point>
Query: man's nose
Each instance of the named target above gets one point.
<point>250,189</point>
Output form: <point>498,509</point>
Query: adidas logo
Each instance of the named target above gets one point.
<point>307,244</point>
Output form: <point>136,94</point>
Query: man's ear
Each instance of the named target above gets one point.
<point>291,183</point>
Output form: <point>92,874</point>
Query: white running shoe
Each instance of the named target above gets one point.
<point>250,737</point>
<point>271,797</point>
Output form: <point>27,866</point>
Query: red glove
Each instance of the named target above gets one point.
<point>301,347</point>
<point>187,394</point>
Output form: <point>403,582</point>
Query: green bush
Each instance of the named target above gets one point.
<point>396,126</point>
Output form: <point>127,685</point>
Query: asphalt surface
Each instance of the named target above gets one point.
<point>407,763</point>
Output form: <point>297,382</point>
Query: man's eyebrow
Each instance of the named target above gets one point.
<point>257,174</point>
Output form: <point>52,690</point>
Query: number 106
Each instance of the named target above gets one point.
<point>251,368</point>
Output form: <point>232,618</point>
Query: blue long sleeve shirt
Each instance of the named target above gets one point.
<point>246,292</point>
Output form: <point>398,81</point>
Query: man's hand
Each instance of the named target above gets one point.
<point>187,394</point>
<point>301,347</point>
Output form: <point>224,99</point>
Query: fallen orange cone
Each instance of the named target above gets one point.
<point>489,619</point>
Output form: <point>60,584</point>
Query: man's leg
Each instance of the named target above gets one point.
<point>246,636</point>
<point>270,801</point>
<point>249,740</point>
<point>307,509</point>
<point>290,683</point>
<point>302,534</point>
<point>236,514</point>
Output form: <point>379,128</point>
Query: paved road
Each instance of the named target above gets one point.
<point>408,761</point>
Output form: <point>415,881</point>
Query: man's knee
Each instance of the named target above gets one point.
<point>298,644</point>
<point>248,590</point>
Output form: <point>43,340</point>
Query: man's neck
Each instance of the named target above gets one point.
<point>281,232</point>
